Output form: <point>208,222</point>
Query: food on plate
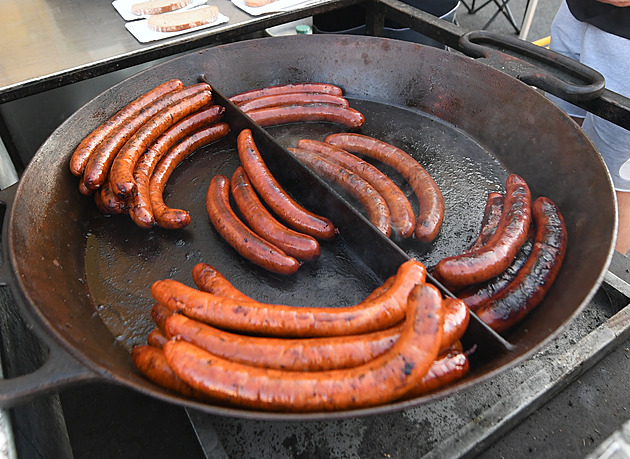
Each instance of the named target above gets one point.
<point>247,243</point>
<point>158,6</point>
<point>372,201</point>
<point>272,116</point>
<point>430,197</point>
<point>288,88</point>
<point>273,195</point>
<point>496,255</point>
<point>262,222</point>
<point>182,20</point>
<point>535,278</point>
<point>402,216</point>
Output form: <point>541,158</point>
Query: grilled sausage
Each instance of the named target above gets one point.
<point>141,211</point>
<point>430,197</point>
<point>402,216</point>
<point>477,295</point>
<point>491,218</point>
<point>159,314</point>
<point>121,179</point>
<point>272,116</point>
<point>448,368</point>
<point>208,279</point>
<point>280,320</point>
<point>272,194</point>
<point>456,318</point>
<point>534,279</point>
<point>379,381</point>
<point>494,257</point>
<point>82,153</point>
<point>286,89</point>
<point>371,200</point>
<point>97,168</point>
<point>167,217</point>
<point>260,220</point>
<point>157,338</point>
<point>247,243</point>
<point>297,98</point>
<point>108,203</point>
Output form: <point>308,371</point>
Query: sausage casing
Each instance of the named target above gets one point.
<point>286,89</point>
<point>295,98</point>
<point>285,114</point>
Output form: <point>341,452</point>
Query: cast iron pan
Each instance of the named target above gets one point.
<point>83,279</point>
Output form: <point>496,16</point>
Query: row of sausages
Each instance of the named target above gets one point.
<point>510,267</point>
<point>400,342</point>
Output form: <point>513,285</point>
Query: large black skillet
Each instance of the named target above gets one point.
<point>82,280</point>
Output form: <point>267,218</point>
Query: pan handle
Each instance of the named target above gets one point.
<point>535,65</point>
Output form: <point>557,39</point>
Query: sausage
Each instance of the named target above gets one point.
<point>272,116</point>
<point>159,314</point>
<point>372,201</point>
<point>167,217</point>
<point>280,320</point>
<point>82,153</point>
<point>448,368</point>
<point>208,279</point>
<point>141,211</point>
<point>259,219</point>
<point>535,278</point>
<point>497,254</point>
<point>97,168</point>
<point>476,295</point>
<point>121,172</point>
<point>430,197</point>
<point>108,203</point>
<point>286,208</point>
<point>157,338</point>
<point>297,98</point>
<point>309,354</point>
<point>247,243</point>
<point>402,215</point>
<point>379,381</point>
<point>150,361</point>
<point>491,218</point>
<point>286,89</point>
<point>456,318</point>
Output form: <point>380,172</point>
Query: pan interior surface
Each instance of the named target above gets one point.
<point>86,277</point>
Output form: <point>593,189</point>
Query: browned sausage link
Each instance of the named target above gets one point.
<point>82,153</point>
<point>159,314</point>
<point>108,203</point>
<point>309,354</point>
<point>272,194</point>
<point>167,217</point>
<point>281,320</point>
<point>537,276</point>
<point>494,257</point>
<point>157,338</point>
<point>430,197</point>
<point>121,172</point>
<point>293,99</point>
<point>83,190</point>
<point>210,280</point>
<point>372,201</point>
<point>150,361</point>
<point>239,236</point>
<point>447,369</point>
<point>491,218</point>
<point>456,318</point>
<point>477,295</point>
<point>403,218</point>
<point>297,245</point>
<point>272,116</point>
<point>286,89</point>
<point>141,211</point>
<point>379,381</point>
<point>97,168</point>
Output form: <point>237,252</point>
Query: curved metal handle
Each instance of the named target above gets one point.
<point>7,196</point>
<point>537,66</point>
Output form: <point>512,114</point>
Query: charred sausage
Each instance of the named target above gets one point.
<point>82,153</point>
<point>497,254</point>
<point>272,194</point>
<point>456,318</point>
<point>379,381</point>
<point>259,219</point>
<point>378,313</point>
<point>167,217</point>
<point>247,243</point>
<point>448,368</point>
<point>371,200</point>
<point>491,218</point>
<point>430,197</point>
<point>403,218</point>
<point>141,211</point>
<point>533,281</point>
<point>272,116</point>
<point>286,89</point>
<point>297,98</point>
